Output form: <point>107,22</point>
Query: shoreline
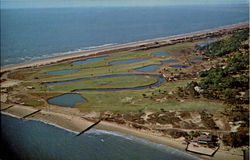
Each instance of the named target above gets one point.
<point>76,122</point>
<point>104,126</point>
<point>114,133</point>
<point>131,46</point>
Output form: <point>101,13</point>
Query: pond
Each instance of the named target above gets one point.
<point>64,71</point>
<point>127,61</point>
<point>196,59</point>
<point>88,60</point>
<point>164,54</point>
<point>148,68</point>
<point>169,61</point>
<point>206,42</point>
<point>177,66</point>
<point>66,100</point>
<point>153,67</point>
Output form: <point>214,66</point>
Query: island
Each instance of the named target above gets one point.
<point>189,92</point>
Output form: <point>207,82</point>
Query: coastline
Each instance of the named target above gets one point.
<point>132,46</point>
<point>76,122</point>
<point>72,119</point>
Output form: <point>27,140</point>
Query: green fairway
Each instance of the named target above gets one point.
<point>114,82</point>
<point>122,100</point>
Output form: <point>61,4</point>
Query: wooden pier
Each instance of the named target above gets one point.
<point>198,151</point>
<point>31,114</point>
<point>7,108</point>
<point>85,130</point>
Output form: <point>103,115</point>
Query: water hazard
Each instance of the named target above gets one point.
<point>88,60</point>
<point>169,61</point>
<point>196,59</point>
<point>148,68</point>
<point>206,42</point>
<point>153,67</point>
<point>164,54</point>
<point>177,66</point>
<point>64,71</point>
<point>66,100</point>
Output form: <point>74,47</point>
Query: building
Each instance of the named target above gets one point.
<point>204,139</point>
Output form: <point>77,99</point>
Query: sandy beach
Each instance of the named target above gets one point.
<point>73,120</point>
<point>150,43</point>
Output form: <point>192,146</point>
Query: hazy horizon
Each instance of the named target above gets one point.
<point>12,4</point>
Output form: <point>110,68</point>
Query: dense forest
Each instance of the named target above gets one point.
<point>227,81</point>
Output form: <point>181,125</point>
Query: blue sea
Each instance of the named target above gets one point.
<point>37,33</point>
<point>35,140</point>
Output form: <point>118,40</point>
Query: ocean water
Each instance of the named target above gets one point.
<point>34,140</point>
<point>29,34</point>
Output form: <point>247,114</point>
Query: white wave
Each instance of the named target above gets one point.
<point>8,114</point>
<point>26,58</point>
<point>101,46</point>
<point>80,50</point>
<point>100,132</point>
<point>131,138</point>
<point>57,54</point>
<point>6,60</point>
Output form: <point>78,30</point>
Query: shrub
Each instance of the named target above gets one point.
<point>236,139</point>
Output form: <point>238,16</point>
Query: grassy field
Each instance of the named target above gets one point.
<point>114,82</point>
<point>134,101</point>
<point>117,101</point>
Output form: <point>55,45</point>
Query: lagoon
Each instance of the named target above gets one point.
<point>164,54</point>
<point>66,100</point>
<point>177,66</point>
<point>148,68</point>
<point>88,60</point>
<point>197,59</point>
<point>205,42</point>
<point>169,61</point>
